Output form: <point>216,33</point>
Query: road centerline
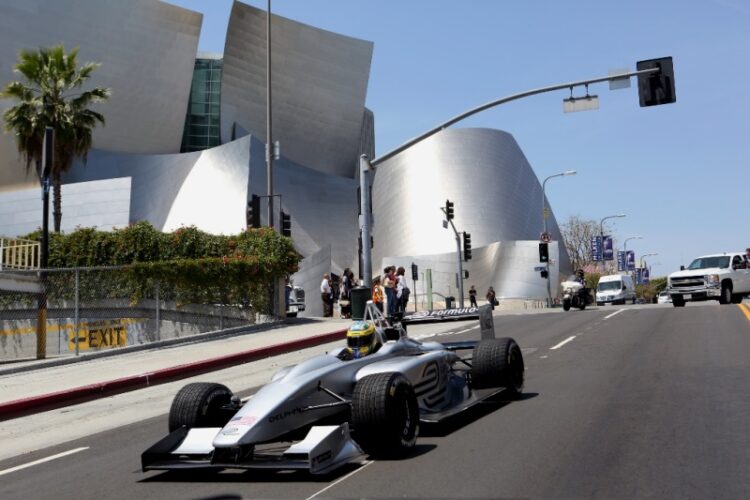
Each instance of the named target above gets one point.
<point>42,460</point>
<point>745,310</point>
<point>562,343</point>
<point>616,312</point>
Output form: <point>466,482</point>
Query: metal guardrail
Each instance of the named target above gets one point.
<point>19,254</point>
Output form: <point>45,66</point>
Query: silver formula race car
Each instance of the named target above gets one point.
<point>338,407</point>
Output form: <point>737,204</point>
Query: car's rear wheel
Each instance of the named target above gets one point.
<point>385,414</point>
<point>726,293</point>
<point>678,301</point>
<point>498,363</point>
<point>200,405</point>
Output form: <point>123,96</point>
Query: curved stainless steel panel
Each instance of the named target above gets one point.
<point>319,88</point>
<point>497,197</point>
<point>147,52</point>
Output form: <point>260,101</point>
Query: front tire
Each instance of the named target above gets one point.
<point>566,304</point>
<point>385,414</point>
<point>737,298</point>
<point>726,293</point>
<point>498,363</point>
<point>678,301</point>
<point>199,405</point>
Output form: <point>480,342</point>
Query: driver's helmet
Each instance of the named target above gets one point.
<point>361,339</point>
<point>579,273</point>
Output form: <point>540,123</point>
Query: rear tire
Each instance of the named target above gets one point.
<point>199,405</point>
<point>678,301</point>
<point>737,298</point>
<point>498,363</point>
<point>385,414</point>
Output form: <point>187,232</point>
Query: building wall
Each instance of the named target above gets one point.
<point>319,82</point>
<point>497,198</point>
<point>147,52</point>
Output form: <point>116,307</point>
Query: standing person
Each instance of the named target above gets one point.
<point>378,294</point>
<point>492,298</point>
<point>325,295</point>
<point>402,291</point>
<point>473,296</point>
<point>345,296</point>
<point>389,283</point>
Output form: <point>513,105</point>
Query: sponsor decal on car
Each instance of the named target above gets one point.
<point>323,457</point>
<point>244,420</point>
<point>282,415</point>
<point>441,314</point>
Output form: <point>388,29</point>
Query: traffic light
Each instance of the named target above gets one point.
<point>286,224</point>
<point>414,272</point>
<point>466,274</point>
<point>467,246</point>
<point>544,273</point>
<point>656,88</point>
<point>449,210</point>
<point>253,211</point>
<point>543,252</point>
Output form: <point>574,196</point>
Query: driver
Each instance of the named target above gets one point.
<point>361,340</point>
<point>580,277</point>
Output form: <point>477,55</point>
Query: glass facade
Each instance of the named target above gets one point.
<point>202,124</point>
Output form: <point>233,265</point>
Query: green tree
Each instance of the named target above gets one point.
<point>51,95</point>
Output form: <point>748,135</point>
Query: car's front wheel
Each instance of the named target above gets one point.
<point>737,298</point>
<point>678,301</point>
<point>385,414</point>
<point>200,405</point>
<point>726,293</point>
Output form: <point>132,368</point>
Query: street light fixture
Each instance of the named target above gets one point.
<point>601,235</point>
<point>625,250</point>
<point>644,256</point>
<point>545,214</point>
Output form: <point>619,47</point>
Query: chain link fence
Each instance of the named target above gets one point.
<point>61,312</point>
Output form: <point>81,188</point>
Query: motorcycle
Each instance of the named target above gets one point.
<point>575,294</point>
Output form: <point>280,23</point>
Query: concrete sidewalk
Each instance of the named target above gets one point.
<point>37,385</point>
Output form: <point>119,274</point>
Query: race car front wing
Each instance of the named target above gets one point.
<point>324,448</point>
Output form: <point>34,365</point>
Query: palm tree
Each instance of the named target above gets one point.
<point>51,96</point>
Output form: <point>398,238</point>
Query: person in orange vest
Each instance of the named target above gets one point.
<point>378,294</point>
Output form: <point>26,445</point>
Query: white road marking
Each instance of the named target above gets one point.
<point>543,357</point>
<point>562,343</point>
<point>467,330</point>
<point>42,460</point>
<point>343,478</point>
<point>616,312</point>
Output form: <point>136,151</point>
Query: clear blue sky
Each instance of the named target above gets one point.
<point>679,171</point>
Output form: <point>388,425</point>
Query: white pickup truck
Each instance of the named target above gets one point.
<point>724,277</point>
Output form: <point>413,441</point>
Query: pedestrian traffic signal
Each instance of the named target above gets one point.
<point>543,252</point>
<point>253,211</point>
<point>658,87</point>
<point>466,274</point>
<point>449,210</point>
<point>467,246</point>
<point>286,224</point>
<point>414,272</point>
<point>544,273</point>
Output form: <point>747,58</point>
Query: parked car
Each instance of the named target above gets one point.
<point>664,298</point>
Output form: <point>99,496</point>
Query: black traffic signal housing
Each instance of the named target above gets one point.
<point>414,272</point>
<point>286,224</point>
<point>466,274</point>
<point>544,273</point>
<point>449,210</point>
<point>658,87</point>
<point>467,246</point>
<point>253,211</point>
<point>543,252</point>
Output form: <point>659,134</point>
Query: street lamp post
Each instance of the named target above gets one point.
<point>269,132</point>
<point>601,235</point>
<point>625,251</point>
<point>545,214</point>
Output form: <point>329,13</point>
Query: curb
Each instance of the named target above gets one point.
<point>44,402</point>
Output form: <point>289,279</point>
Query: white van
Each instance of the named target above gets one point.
<point>616,289</point>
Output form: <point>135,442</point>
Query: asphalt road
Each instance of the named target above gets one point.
<point>620,402</point>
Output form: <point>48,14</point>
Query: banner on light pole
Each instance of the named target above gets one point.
<point>608,249</point>
<point>596,248</point>
<point>631,260</point>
